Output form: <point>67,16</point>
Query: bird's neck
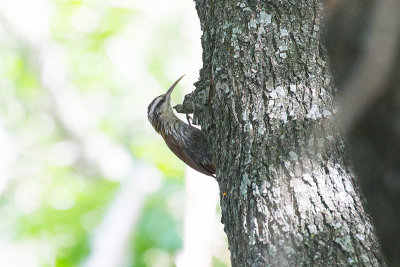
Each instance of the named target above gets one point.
<point>165,123</point>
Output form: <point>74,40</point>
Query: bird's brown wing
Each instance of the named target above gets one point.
<point>187,156</point>
<point>202,152</point>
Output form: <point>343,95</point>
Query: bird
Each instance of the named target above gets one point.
<point>187,142</point>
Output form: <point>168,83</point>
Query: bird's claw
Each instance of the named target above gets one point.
<point>188,118</point>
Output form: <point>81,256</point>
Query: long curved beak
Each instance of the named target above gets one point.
<point>168,93</point>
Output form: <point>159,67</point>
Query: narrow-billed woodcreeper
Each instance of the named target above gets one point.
<point>186,141</point>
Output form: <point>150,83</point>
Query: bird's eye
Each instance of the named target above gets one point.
<point>160,102</point>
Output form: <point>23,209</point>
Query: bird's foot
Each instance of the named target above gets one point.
<point>189,119</point>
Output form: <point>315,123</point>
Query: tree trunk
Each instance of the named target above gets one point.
<point>265,99</point>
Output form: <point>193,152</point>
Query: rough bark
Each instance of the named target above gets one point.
<point>371,31</point>
<point>265,98</point>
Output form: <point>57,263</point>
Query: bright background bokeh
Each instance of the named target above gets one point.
<point>84,179</point>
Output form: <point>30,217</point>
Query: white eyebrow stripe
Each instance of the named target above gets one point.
<point>154,105</point>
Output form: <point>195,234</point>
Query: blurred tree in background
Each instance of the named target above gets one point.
<point>75,81</point>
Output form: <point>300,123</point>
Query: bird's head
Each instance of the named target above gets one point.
<point>160,107</point>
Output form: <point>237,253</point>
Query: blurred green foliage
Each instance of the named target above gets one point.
<point>157,230</point>
<point>54,201</point>
<point>69,226</point>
